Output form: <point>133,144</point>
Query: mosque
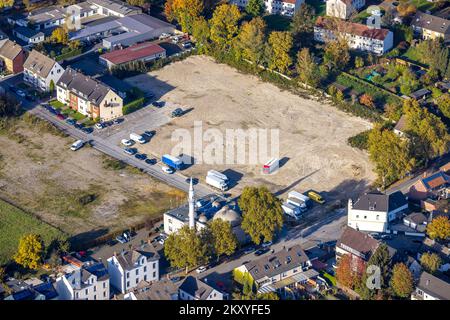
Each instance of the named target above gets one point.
<point>198,213</point>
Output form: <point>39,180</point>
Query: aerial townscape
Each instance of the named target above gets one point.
<point>224,150</point>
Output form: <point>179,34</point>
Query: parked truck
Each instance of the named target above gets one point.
<point>271,166</point>
<point>291,210</point>
<point>218,175</point>
<point>304,201</point>
<point>216,182</point>
<point>137,137</point>
<point>172,161</point>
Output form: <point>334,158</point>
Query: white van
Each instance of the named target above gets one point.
<point>77,145</point>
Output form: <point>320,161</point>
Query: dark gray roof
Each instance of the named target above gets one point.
<point>196,288</point>
<point>28,32</point>
<point>277,263</point>
<point>420,93</point>
<point>380,202</point>
<point>430,22</point>
<point>401,124</point>
<point>84,86</point>
<point>434,286</point>
<point>39,63</point>
<point>9,49</point>
<point>127,259</point>
<point>116,6</point>
<point>416,217</point>
<point>158,290</point>
<point>361,242</point>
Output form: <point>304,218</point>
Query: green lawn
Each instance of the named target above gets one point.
<point>56,104</point>
<point>14,223</point>
<point>319,5</point>
<point>277,22</point>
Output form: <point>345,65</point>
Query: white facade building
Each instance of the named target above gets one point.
<point>196,289</point>
<point>90,282</point>
<point>129,268</point>
<point>40,71</point>
<point>358,36</point>
<point>374,211</point>
<point>284,7</point>
<point>343,9</point>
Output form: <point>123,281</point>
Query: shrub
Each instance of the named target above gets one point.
<point>133,105</point>
<point>360,140</point>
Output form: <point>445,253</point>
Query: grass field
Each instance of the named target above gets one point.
<point>14,223</point>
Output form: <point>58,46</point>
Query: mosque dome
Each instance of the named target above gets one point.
<point>228,214</point>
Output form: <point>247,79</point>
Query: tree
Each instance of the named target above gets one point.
<point>6,3</point>
<point>224,25</point>
<point>390,155</point>
<point>52,86</point>
<point>439,228</point>
<point>268,296</point>
<point>29,253</point>
<point>185,12</point>
<point>307,69</point>
<point>443,103</point>
<point>359,62</point>
<point>255,8</point>
<point>429,134</point>
<point>280,45</point>
<point>262,213</point>
<point>381,258</point>
<point>337,55</point>
<point>367,100</point>
<point>302,25</point>
<point>252,40</point>
<point>431,262</point>
<point>184,248</point>
<point>344,273</point>
<point>60,35</point>
<point>223,239</point>
<point>200,32</point>
<point>402,281</point>
<point>138,3</point>
<point>406,9</point>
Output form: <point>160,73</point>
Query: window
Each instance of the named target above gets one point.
<point>104,284</point>
<point>145,268</point>
<point>95,288</point>
<point>104,294</point>
<point>154,265</point>
<point>95,297</point>
<point>137,271</point>
<point>378,216</point>
<point>86,291</point>
<point>128,275</point>
<point>154,274</point>
<point>137,280</point>
<point>128,284</point>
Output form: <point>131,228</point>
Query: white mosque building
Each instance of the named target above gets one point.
<point>197,214</point>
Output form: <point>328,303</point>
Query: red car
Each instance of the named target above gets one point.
<point>61,116</point>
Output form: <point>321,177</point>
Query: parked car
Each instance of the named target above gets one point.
<point>52,110</point>
<point>20,93</point>
<point>71,121</point>
<point>130,151</point>
<point>260,252</point>
<point>150,161</point>
<point>87,129</point>
<point>158,104</point>
<point>77,145</point>
<point>266,244</point>
<point>117,121</point>
<point>60,116</point>
<point>375,235</point>
<point>187,45</point>
<point>175,279</point>
<point>121,239</point>
<point>249,250</point>
<point>386,237</point>
<point>201,269</point>
<point>127,142</point>
<point>164,36</point>
<point>99,125</point>
<point>140,156</point>
<point>177,113</point>
<point>168,170</point>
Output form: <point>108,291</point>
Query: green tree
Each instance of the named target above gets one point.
<point>307,69</point>
<point>280,45</point>
<point>430,262</point>
<point>429,134</point>
<point>262,213</point>
<point>138,3</point>
<point>302,25</point>
<point>200,32</point>
<point>439,228</point>
<point>359,62</point>
<point>6,3</point>
<point>390,155</point>
<point>60,35</point>
<point>224,25</point>
<point>186,12</point>
<point>337,55</point>
<point>268,296</point>
<point>252,40</point>
<point>255,8</point>
<point>402,281</point>
<point>443,103</point>
<point>185,249</point>
<point>52,86</point>
<point>223,238</point>
<point>29,253</point>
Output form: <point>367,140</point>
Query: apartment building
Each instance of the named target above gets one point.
<point>431,27</point>
<point>358,36</point>
<point>431,287</point>
<point>128,268</point>
<point>11,56</point>
<point>343,9</point>
<point>88,96</point>
<point>283,7</point>
<point>40,71</point>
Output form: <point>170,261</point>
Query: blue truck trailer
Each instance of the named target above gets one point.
<point>172,161</point>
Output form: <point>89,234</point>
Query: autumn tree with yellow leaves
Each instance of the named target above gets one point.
<point>30,251</point>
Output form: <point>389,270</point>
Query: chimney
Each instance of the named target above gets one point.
<point>115,254</point>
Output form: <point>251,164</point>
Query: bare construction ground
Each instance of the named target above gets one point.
<point>313,135</point>
<point>76,191</point>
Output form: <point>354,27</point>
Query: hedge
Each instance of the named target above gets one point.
<point>133,105</point>
<point>69,54</point>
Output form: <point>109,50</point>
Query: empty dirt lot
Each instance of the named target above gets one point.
<point>312,134</point>
<point>75,191</point>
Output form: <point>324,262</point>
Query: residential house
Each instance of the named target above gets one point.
<point>164,289</point>
<point>343,9</point>
<point>287,267</point>
<point>358,244</point>
<point>420,94</point>
<point>195,289</point>
<point>32,289</point>
<point>88,96</point>
<point>28,35</point>
<point>443,251</point>
<point>431,27</point>
<point>431,287</point>
<point>281,7</point>
<point>416,220</point>
<point>12,56</point>
<point>89,282</point>
<point>114,8</point>
<point>45,18</point>
<point>374,211</point>
<point>144,52</point>
<point>433,186</point>
<point>130,267</point>
<point>400,127</point>
<point>40,71</point>
<point>358,36</point>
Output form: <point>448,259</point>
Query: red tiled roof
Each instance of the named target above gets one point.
<point>353,28</point>
<point>289,1</point>
<point>134,52</point>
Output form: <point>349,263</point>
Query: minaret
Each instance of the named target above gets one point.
<point>191,206</point>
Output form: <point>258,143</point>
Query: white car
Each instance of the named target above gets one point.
<point>99,125</point>
<point>127,142</point>
<point>201,269</point>
<point>167,170</point>
<point>266,244</point>
<point>77,145</point>
<point>164,36</point>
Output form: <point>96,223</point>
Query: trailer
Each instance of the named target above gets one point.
<point>291,210</point>
<point>216,182</point>
<point>299,196</point>
<point>172,161</point>
<point>218,174</point>
<point>137,137</point>
<point>271,166</point>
